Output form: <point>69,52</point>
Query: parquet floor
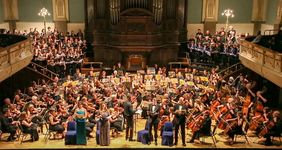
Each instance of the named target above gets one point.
<point>119,142</point>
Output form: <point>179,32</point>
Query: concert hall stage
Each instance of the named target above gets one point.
<point>119,142</point>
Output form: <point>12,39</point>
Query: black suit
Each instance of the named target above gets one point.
<point>153,120</point>
<point>179,120</point>
<point>128,115</point>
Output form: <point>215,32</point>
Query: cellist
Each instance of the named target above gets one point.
<point>235,127</point>
<point>271,128</point>
<point>164,115</point>
<point>203,126</point>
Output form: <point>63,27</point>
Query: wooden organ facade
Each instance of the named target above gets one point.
<point>145,31</point>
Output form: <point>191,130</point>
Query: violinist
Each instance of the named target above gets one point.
<point>180,111</point>
<point>271,128</point>
<point>153,119</point>
<point>29,127</point>
<point>234,127</point>
<point>54,122</point>
<point>202,127</point>
<point>8,125</point>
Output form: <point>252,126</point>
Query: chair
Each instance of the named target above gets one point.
<point>243,134</point>
<point>22,135</point>
<point>208,135</point>
<point>167,135</point>
<point>143,135</point>
<point>70,138</point>
<point>48,132</point>
<point>276,135</point>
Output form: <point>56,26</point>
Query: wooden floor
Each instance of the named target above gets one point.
<point>119,142</point>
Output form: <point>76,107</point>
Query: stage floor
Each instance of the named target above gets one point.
<point>119,142</point>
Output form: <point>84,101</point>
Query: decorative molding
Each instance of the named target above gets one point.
<point>60,10</point>
<point>10,9</point>
<point>210,10</point>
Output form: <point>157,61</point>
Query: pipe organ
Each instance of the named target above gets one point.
<point>121,29</point>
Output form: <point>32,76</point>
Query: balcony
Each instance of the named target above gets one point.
<point>15,57</point>
<point>264,61</point>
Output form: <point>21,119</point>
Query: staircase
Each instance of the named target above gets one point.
<point>42,71</point>
<point>233,70</point>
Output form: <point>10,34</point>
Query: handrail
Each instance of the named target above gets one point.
<point>236,69</point>
<point>43,71</point>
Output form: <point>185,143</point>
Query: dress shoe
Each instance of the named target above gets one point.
<point>156,143</point>
<point>132,140</point>
<point>175,144</point>
<point>126,138</point>
<point>183,144</point>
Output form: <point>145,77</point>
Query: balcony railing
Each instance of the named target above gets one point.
<point>14,58</point>
<point>264,61</point>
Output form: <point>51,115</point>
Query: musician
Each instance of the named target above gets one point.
<point>234,127</point>
<point>8,125</point>
<point>153,119</point>
<point>128,115</point>
<point>54,122</point>
<point>203,124</point>
<point>29,127</point>
<point>180,111</point>
<point>164,115</point>
<point>274,129</point>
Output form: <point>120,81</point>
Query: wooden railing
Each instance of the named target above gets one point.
<point>264,61</point>
<point>231,70</point>
<point>42,71</point>
<point>14,58</point>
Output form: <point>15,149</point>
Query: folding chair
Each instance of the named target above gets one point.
<point>243,134</point>
<point>22,135</point>
<point>209,135</point>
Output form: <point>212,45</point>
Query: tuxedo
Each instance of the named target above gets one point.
<point>179,120</point>
<point>153,120</point>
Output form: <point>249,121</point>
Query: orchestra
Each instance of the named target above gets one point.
<point>192,101</point>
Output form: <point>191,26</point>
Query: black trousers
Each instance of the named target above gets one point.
<point>129,127</point>
<point>182,126</point>
<point>155,124</point>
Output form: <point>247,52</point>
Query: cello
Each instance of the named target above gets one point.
<point>266,127</point>
<point>164,118</point>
